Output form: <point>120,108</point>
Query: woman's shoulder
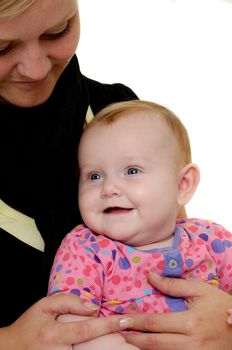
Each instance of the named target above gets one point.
<point>102,94</point>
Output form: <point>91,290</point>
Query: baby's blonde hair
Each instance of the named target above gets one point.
<point>14,7</point>
<point>115,111</point>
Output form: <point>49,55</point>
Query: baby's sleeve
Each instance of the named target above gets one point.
<point>76,268</point>
<point>221,248</point>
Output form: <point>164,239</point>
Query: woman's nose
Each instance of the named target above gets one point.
<point>34,62</point>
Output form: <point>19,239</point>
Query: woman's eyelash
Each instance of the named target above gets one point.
<point>58,35</point>
<point>6,50</point>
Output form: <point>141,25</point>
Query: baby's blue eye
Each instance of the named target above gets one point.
<point>132,171</point>
<point>94,177</point>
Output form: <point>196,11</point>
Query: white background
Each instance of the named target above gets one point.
<point>177,53</point>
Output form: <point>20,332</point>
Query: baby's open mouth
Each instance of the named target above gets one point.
<point>116,210</point>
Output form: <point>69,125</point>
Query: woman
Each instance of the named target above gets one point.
<point>43,103</point>
<point>44,100</point>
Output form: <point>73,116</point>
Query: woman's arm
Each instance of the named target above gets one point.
<point>38,328</point>
<point>203,326</point>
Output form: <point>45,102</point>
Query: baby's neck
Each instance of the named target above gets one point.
<point>162,244</point>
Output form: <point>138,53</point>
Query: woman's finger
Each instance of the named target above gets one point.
<point>62,303</point>
<point>158,341</point>
<point>178,287</point>
<point>81,331</point>
<point>174,322</point>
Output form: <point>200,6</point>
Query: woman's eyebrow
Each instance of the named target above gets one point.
<point>62,21</point>
<point>65,19</point>
<point>5,41</point>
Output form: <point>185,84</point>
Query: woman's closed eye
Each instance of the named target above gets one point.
<point>9,47</point>
<point>4,50</point>
<point>59,34</point>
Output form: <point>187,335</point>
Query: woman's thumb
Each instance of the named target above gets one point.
<point>177,287</point>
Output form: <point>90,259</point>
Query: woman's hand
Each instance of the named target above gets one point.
<point>38,329</point>
<point>203,326</point>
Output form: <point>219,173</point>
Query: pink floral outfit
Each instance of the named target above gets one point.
<point>114,275</point>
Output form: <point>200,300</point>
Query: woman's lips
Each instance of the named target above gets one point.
<point>29,84</point>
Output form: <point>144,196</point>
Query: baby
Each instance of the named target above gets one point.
<point>136,174</point>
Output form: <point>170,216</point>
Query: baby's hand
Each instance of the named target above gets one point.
<point>229,319</point>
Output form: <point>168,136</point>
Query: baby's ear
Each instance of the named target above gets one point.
<point>189,178</point>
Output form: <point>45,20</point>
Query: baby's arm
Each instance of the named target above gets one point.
<point>225,280</point>
<point>73,272</point>
<point>101,343</point>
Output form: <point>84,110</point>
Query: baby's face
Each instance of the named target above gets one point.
<point>129,180</point>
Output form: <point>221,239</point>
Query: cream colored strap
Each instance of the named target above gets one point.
<point>89,116</point>
<point>20,226</point>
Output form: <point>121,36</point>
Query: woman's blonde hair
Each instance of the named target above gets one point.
<point>115,111</point>
<point>13,7</point>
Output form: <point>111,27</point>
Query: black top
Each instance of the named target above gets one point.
<point>38,178</point>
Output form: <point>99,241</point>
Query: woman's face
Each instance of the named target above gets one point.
<point>35,48</point>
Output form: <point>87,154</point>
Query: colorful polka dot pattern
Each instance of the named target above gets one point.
<point>114,275</point>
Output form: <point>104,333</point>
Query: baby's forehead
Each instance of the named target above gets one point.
<point>140,126</point>
<point>147,123</point>
<point>133,117</point>
<point>140,123</point>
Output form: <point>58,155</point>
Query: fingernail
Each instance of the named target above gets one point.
<point>229,319</point>
<point>155,276</point>
<point>126,322</point>
<point>90,306</point>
